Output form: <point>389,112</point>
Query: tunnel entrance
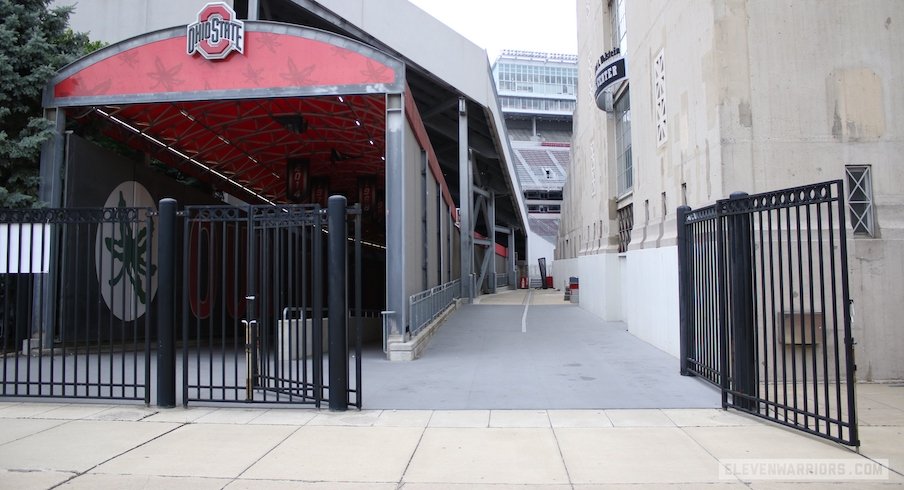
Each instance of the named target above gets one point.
<point>295,116</point>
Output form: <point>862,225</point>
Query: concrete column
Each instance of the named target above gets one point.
<point>510,261</point>
<point>425,240</point>
<point>491,226</point>
<point>253,9</point>
<point>396,287</point>
<point>465,181</point>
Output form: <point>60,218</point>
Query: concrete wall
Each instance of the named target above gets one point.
<point>589,185</point>
<point>650,296</point>
<point>115,20</point>
<point>539,247</point>
<point>826,93</point>
<point>598,279</point>
<point>759,96</point>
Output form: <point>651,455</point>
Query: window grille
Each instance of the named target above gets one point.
<point>662,134</point>
<point>860,199</point>
<point>625,225</point>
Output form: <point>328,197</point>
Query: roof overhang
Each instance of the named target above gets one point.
<point>441,66</point>
<point>282,61</point>
<point>296,97</point>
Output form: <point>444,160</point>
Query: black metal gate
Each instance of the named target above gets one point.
<point>254,314</point>
<point>76,294</point>
<point>765,306</point>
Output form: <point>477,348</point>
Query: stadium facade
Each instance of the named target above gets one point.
<point>537,97</point>
<point>701,99</point>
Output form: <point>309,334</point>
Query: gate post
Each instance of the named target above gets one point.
<point>166,315</point>
<point>743,369</point>
<point>684,291</point>
<point>338,303</point>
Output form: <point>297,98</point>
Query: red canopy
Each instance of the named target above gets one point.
<point>295,93</point>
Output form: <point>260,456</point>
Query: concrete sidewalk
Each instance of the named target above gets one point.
<point>43,445</point>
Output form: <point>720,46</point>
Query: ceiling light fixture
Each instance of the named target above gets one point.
<point>182,155</point>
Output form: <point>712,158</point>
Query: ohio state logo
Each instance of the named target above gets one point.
<point>217,33</point>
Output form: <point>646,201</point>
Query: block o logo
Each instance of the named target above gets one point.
<point>123,249</point>
<point>217,33</point>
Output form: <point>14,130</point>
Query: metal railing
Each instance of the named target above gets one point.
<point>423,307</point>
<point>76,294</point>
<point>501,280</point>
<point>765,306</point>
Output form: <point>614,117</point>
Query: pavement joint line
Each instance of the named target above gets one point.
<point>888,466</point>
<point>559,449</point>
<point>606,414</point>
<point>62,423</point>
<point>707,451</point>
<point>111,458</point>
<point>524,315</point>
<point>401,482</point>
<point>256,461</point>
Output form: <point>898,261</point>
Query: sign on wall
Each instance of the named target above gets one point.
<point>217,32</point>
<point>610,69</point>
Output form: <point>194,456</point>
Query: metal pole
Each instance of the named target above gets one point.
<point>684,290</point>
<point>317,307</point>
<point>743,357</point>
<point>338,303</point>
<point>50,193</point>
<point>464,202</point>
<point>166,317</point>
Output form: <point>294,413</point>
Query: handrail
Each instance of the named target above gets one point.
<point>426,305</point>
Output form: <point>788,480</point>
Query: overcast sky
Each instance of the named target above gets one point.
<point>534,25</point>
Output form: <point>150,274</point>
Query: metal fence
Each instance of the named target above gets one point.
<point>502,280</point>
<point>765,306</point>
<point>76,294</point>
<point>423,307</point>
<point>255,310</point>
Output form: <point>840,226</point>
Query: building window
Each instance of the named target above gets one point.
<point>659,93</point>
<point>625,225</point>
<point>619,27</point>
<point>624,168</point>
<point>860,199</point>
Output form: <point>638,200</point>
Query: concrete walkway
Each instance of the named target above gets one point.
<point>44,445</point>
<point>570,433</point>
<point>529,349</point>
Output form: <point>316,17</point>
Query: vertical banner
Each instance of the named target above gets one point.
<point>542,263</point>
<point>367,193</point>
<point>297,179</point>
<point>320,190</point>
